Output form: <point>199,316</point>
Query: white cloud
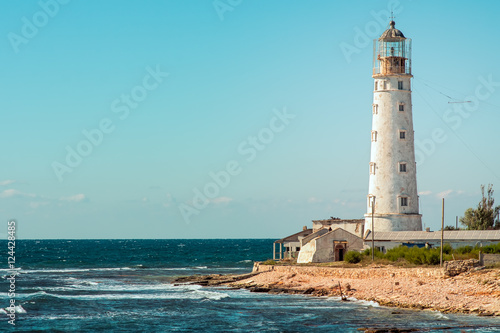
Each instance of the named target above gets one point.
<point>222,200</point>
<point>425,193</point>
<point>75,198</point>
<point>7,182</point>
<point>314,200</point>
<point>15,193</point>
<point>35,205</point>
<point>444,194</point>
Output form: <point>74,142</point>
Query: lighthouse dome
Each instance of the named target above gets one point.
<point>392,32</point>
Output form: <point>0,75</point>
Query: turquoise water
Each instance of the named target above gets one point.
<point>125,286</point>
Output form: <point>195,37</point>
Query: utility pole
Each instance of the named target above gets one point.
<point>373,231</point>
<point>442,235</point>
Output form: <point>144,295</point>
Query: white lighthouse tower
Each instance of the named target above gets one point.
<point>393,174</point>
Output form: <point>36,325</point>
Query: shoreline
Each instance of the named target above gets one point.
<point>424,288</point>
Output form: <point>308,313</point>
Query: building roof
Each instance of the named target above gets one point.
<point>295,237</point>
<point>337,220</point>
<point>392,32</point>
<point>449,235</point>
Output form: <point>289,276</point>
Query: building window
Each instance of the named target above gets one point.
<point>297,249</point>
<point>374,136</point>
<point>372,168</point>
<point>401,106</point>
<point>403,201</point>
<point>402,135</point>
<point>400,85</point>
<point>402,167</point>
<point>375,108</point>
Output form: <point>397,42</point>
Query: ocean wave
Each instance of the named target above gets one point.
<point>439,315</point>
<point>17,309</point>
<point>75,270</point>
<point>195,294</point>
<point>363,302</point>
<point>102,286</point>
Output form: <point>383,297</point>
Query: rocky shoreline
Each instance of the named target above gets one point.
<point>471,290</point>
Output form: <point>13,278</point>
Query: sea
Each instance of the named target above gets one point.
<point>126,286</point>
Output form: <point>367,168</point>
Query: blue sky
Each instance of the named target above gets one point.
<point>271,98</point>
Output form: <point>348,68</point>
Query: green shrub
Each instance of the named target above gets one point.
<point>397,252</point>
<point>268,262</point>
<point>352,257</point>
<point>368,253</point>
<point>464,249</point>
<point>447,249</point>
<point>415,255</point>
<point>493,248</point>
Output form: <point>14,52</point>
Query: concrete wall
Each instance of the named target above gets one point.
<point>490,259</point>
<point>321,249</point>
<point>306,253</point>
<point>356,228</point>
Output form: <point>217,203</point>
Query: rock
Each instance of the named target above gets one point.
<point>456,267</point>
<point>259,289</point>
<point>308,291</point>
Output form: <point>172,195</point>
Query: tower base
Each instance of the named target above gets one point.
<point>393,222</point>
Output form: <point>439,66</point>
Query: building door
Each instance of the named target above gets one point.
<point>339,250</point>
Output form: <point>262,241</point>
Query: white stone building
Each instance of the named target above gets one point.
<point>393,174</point>
<point>392,203</point>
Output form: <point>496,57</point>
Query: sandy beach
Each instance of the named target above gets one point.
<point>473,292</point>
<point>476,291</point>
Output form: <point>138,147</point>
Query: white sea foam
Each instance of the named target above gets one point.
<point>17,309</point>
<point>76,270</point>
<point>366,303</point>
<point>29,295</point>
<point>20,309</point>
<point>188,293</point>
<point>439,315</point>
<point>84,285</point>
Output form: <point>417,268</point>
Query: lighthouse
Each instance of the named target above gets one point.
<point>392,202</point>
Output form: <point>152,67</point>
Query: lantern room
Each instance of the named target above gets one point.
<point>392,53</point>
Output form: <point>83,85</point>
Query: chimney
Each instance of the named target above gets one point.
<point>304,228</point>
<point>428,229</point>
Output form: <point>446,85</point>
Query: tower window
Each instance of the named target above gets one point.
<point>375,108</point>
<point>384,85</point>
<point>374,136</point>
<point>401,107</point>
<point>400,85</point>
<point>376,85</point>
<point>372,168</point>
<point>402,135</point>
<point>402,167</point>
<point>403,201</point>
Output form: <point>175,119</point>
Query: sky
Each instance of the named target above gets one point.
<point>231,118</point>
